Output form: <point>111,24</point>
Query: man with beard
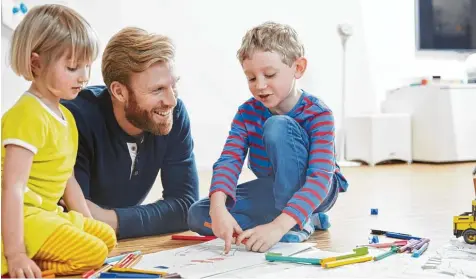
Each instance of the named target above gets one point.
<point>130,129</point>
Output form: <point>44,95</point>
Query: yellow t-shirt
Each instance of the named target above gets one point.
<point>54,141</point>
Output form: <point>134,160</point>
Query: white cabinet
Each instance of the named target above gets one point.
<point>375,138</point>
<point>443,120</point>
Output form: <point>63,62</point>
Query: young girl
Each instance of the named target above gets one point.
<point>52,47</point>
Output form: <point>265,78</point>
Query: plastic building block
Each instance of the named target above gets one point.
<point>373,239</point>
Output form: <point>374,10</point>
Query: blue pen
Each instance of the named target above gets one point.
<point>401,236</point>
<point>420,251</point>
<point>127,275</point>
<point>120,257</point>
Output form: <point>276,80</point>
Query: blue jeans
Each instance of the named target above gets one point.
<point>261,200</point>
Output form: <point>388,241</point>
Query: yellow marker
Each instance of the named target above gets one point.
<point>134,270</point>
<point>347,261</point>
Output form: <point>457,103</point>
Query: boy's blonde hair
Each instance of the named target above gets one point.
<point>50,31</point>
<point>133,50</point>
<point>273,37</point>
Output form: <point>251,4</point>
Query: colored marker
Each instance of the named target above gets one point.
<point>360,251</point>
<point>347,261</point>
<point>409,245</point>
<point>119,258</point>
<point>392,251</point>
<point>387,245</point>
<point>420,244</point>
<point>401,236</point>
<point>135,270</point>
<point>381,232</point>
<point>394,234</point>
<point>278,258</point>
<point>193,237</point>
<point>420,251</point>
<point>127,275</point>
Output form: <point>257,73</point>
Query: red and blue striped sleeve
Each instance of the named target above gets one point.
<point>228,167</point>
<point>321,167</point>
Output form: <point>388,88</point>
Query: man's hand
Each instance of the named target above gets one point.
<point>107,216</point>
<point>224,225</point>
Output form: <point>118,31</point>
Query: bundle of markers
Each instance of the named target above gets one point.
<point>123,267</point>
<point>414,246</point>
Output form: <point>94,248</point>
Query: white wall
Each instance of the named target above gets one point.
<point>390,38</point>
<point>208,32</point>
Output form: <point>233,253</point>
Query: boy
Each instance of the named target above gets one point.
<point>290,138</point>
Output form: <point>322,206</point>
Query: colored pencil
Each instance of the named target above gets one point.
<point>119,258</point>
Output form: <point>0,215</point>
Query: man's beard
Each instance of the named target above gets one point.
<point>144,119</point>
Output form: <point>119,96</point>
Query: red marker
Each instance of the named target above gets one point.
<point>193,237</point>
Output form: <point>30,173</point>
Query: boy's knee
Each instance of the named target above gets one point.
<point>275,125</point>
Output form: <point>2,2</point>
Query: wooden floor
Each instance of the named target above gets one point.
<point>419,199</point>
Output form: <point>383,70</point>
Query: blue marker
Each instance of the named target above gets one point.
<point>420,251</point>
<point>126,275</point>
<point>401,236</point>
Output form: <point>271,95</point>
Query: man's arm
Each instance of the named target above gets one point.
<point>180,182</point>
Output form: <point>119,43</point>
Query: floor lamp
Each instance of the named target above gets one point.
<point>345,31</point>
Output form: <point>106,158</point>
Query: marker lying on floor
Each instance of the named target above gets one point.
<point>347,261</point>
<point>140,271</point>
<point>360,251</point>
<point>420,251</point>
<point>193,237</point>
<point>387,245</point>
<point>272,257</point>
<point>394,234</point>
<point>208,225</point>
<point>393,250</point>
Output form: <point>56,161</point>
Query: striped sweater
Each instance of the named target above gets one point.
<point>246,136</point>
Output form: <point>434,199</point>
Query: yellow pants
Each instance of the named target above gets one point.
<point>70,251</point>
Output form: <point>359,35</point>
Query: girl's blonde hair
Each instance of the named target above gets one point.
<point>134,50</point>
<point>50,31</point>
<point>273,37</point>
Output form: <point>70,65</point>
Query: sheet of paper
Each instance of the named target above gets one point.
<point>273,269</point>
<point>396,266</point>
<point>454,260</point>
<point>207,259</point>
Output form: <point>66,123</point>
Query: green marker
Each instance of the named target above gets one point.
<point>360,251</point>
<point>392,251</point>
<point>272,257</point>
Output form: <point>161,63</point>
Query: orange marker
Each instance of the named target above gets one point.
<point>208,225</point>
<point>48,274</point>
